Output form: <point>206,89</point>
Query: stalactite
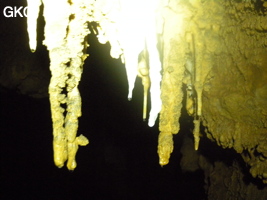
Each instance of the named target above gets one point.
<point>117,24</point>
<point>171,87</point>
<point>196,132</point>
<point>65,33</point>
<point>189,78</point>
<point>33,12</point>
<point>143,72</point>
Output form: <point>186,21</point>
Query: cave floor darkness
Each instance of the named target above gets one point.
<point>119,163</point>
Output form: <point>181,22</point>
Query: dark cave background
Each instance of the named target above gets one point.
<point>121,160</point>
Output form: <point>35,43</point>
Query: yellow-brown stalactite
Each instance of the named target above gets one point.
<point>171,85</point>
<point>65,32</point>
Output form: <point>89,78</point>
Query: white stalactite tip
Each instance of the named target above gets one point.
<point>155,90</point>
<point>156,102</point>
<point>131,71</point>
<point>32,15</point>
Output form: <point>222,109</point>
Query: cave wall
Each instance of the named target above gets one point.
<point>234,96</point>
<point>223,52</point>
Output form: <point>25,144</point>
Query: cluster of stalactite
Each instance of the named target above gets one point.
<point>133,38</point>
<point>164,55</point>
<point>168,43</point>
<point>162,66</point>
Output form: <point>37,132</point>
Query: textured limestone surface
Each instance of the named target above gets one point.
<point>226,73</point>
<point>234,96</point>
<point>221,51</point>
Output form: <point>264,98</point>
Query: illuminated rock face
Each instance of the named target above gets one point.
<point>233,110</point>
<point>218,49</point>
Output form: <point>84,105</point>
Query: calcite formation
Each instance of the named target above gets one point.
<point>65,31</point>
<point>217,49</point>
